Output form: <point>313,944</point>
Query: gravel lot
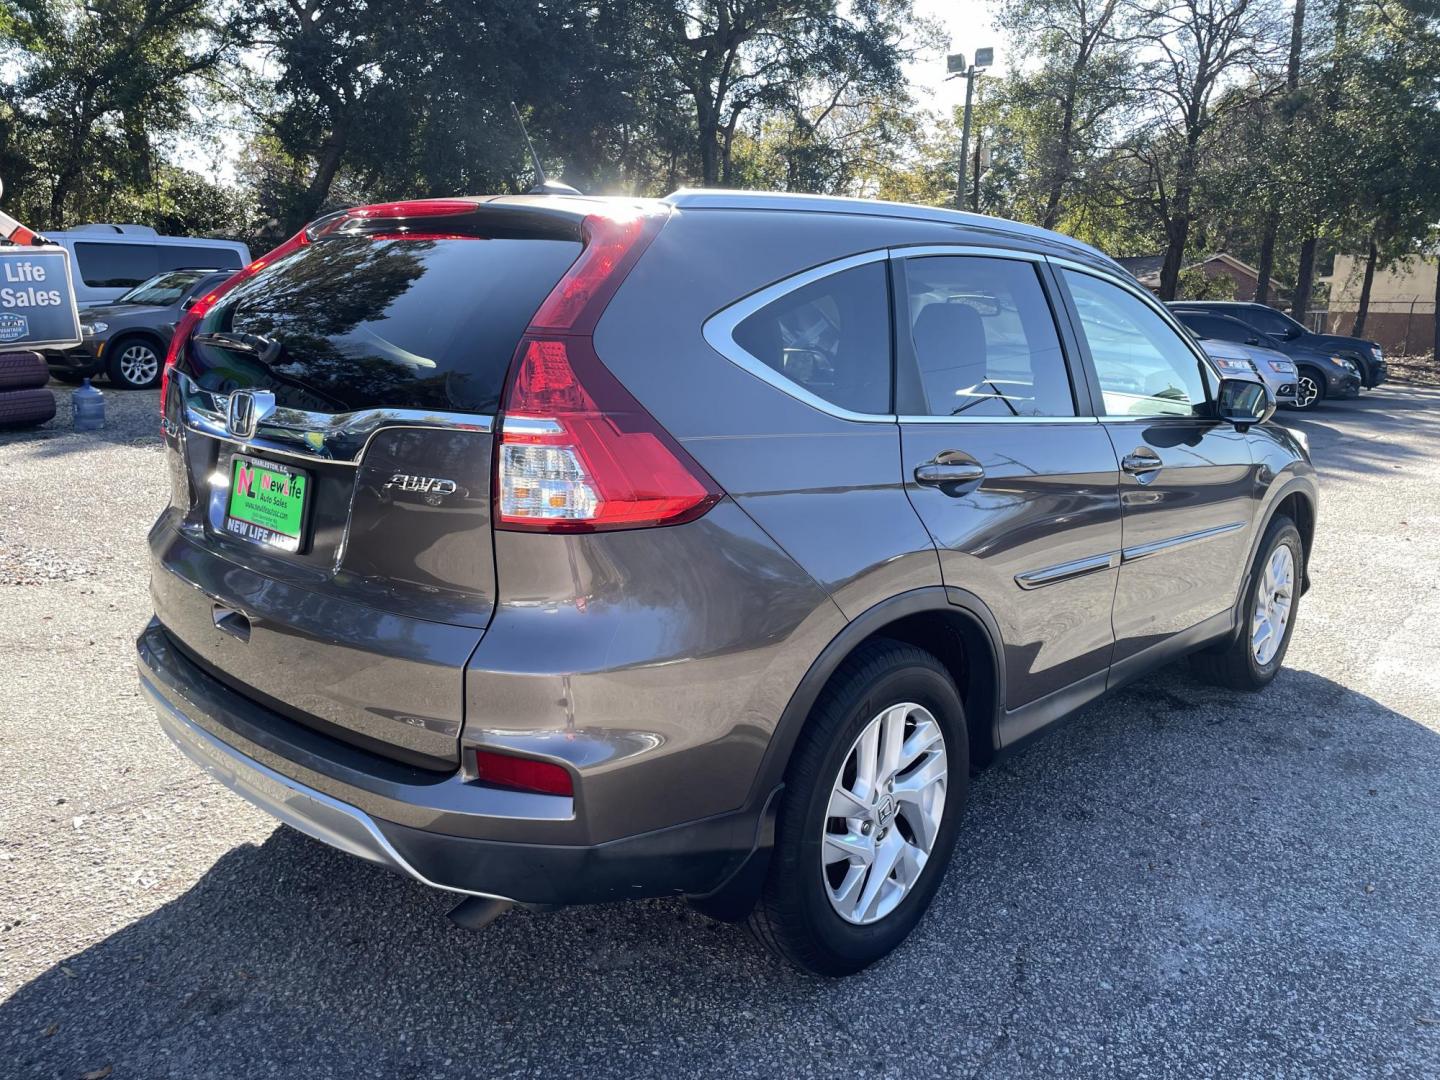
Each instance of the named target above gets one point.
<point>1181,882</point>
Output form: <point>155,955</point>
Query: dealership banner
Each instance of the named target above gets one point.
<point>37,299</point>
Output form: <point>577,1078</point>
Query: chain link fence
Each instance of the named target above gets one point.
<point>1402,327</point>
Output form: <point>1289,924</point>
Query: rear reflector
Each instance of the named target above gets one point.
<point>523,774</point>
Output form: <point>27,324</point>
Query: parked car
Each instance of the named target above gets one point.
<point>1318,375</point>
<point>1235,362</point>
<point>107,261</point>
<point>554,550</point>
<point>1279,331</point>
<point>1276,369</point>
<point>127,339</point>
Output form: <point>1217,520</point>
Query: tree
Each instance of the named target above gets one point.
<point>1195,47</point>
<point>98,85</point>
<point>1063,110</point>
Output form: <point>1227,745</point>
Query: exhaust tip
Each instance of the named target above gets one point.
<point>478,912</point>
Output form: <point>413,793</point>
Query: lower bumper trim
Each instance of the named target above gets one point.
<point>312,812</point>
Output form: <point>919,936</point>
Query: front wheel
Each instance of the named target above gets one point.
<point>1309,389</point>
<point>868,819</point>
<point>134,364</point>
<point>1253,658</point>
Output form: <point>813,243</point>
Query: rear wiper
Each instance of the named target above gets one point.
<point>262,347</point>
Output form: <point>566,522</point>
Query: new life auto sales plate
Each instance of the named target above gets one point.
<point>267,503</point>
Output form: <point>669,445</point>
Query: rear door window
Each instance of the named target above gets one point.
<point>116,266</point>
<point>353,322</point>
<point>831,338</point>
<point>981,339</point>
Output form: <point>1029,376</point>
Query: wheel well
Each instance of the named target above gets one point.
<point>1299,510</point>
<point>959,642</point>
<point>148,336</point>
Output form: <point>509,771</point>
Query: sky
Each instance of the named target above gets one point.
<point>967,22</point>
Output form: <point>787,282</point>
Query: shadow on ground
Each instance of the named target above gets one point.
<point>1181,881</point>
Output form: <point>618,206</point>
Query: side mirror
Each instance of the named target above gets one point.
<point>1245,402</point>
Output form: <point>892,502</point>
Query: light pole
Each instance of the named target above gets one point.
<point>955,65</point>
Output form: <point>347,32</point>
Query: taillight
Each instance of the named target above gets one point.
<point>577,452</point>
<point>523,774</point>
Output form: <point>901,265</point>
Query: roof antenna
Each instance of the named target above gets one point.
<point>543,185</point>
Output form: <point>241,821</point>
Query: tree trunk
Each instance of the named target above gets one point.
<point>1435,352</point>
<point>1363,309</point>
<point>1177,229</point>
<point>1061,172</point>
<point>1267,256</point>
<point>1304,280</point>
<point>332,153</point>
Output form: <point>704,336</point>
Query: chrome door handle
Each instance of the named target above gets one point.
<point>952,471</point>
<point>1142,462</point>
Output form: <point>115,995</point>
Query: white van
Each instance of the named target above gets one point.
<point>106,260</point>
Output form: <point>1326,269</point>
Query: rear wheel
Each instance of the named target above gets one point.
<point>869,814</point>
<point>1309,389</point>
<point>1253,658</point>
<point>134,363</point>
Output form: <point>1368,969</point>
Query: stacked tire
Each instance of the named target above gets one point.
<point>24,400</point>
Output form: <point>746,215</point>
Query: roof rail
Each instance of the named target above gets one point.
<point>105,226</point>
<point>721,199</point>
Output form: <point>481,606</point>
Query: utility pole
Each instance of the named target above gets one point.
<point>957,68</point>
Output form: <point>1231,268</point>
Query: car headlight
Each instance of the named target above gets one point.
<point>1284,367</point>
<point>1226,363</point>
<point>91,329</point>
<point>1376,353</point>
<point>1348,364</point>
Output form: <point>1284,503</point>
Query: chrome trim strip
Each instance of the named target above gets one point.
<point>1144,551</point>
<point>341,438</point>
<point>924,251</point>
<point>530,425</point>
<point>999,419</point>
<point>1034,579</point>
<point>719,332</point>
<point>349,828</point>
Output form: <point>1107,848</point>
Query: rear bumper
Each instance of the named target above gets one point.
<point>350,800</point>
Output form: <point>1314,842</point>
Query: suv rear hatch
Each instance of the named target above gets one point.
<point>331,415</point>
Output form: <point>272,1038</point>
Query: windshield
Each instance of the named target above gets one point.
<point>162,289</point>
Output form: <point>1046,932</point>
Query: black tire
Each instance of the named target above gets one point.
<point>1318,380</point>
<point>794,917</point>
<point>26,408</point>
<point>118,360</point>
<point>23,371</point>
<point>1234,664</point>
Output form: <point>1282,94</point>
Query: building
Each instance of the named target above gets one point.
<point>1231,278</point>
<point>1402,302</point>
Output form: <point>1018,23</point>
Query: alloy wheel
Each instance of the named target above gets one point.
<point>1274,595</point>
<point>139,364</point>
<point>1306,391</point>
<point>884,813</point>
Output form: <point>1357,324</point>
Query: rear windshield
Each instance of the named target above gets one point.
<point>357,322</point>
